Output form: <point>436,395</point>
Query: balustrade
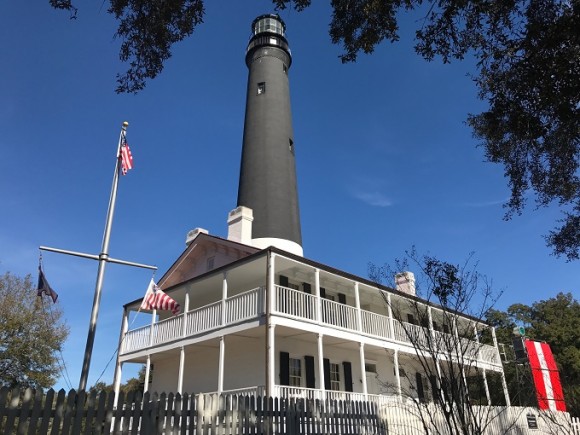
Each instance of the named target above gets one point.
<point>302,306</point>
<point>295,303</point>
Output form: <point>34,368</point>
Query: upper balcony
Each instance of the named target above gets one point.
<point>308,311</point>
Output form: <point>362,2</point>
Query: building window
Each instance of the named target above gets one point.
<point>284,68</point>
<point>291,145</point>
<point>261,88</point>
<point>402,372</point>
<point>370,368</point>
<point>295,372</point>
<point>334,377</point>
<point>210,263</point>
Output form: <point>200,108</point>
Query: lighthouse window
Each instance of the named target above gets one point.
<point>291,145</point>
<point>261,87</point>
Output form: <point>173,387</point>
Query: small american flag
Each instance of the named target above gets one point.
<point>156,299</point>
<point>126,157</point>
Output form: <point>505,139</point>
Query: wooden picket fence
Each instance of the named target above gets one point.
<point>35,412</point>
<point>575,426</point>
<point>32,412</point>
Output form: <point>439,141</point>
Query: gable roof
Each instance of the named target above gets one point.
<point>183,270</point>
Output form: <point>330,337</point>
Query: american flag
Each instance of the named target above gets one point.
<point>156,299</point>
<point>126,157</point>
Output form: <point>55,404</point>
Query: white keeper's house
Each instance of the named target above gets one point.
<point>257,316</point>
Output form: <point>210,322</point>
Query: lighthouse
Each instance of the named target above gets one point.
<point>267,212</point>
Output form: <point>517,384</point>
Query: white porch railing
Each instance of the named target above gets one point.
<point>313,394</point>
<point>295,303</point>
<point>136,339</point>
<point>337,314</point>
<point>488,353</point>
<point>302,306</point>
<point>245,305</point>
<point>375,324</point>
<point>203,319</point>
<point>209,317</point>
<point>165,330</point>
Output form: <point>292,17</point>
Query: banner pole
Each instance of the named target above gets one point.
<point>103,257</point>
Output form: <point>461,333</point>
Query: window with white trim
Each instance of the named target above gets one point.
<point>295,372</point>
<point>334,377</point>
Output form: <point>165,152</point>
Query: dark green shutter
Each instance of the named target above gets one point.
<point>347,376</point>
<point>283,281</point>
<point>342,298</point>
<point>309,366</point>
<point>307,288</point>
<point>420,391</point>
<point>326,367</point>
<point>434,388</point>
<point>322,292</point>
<point>284,368</point>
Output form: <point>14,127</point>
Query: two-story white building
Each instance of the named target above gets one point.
<point>270,322</point>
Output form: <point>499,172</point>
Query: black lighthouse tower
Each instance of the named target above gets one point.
<point>268,171</point>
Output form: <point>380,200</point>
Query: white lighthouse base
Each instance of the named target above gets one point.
<point>286,245</point>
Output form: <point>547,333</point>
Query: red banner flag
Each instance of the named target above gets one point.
<point>546,376</point>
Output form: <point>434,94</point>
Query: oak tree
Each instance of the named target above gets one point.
<point>31,336</point>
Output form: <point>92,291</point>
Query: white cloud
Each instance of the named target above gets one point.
<point>485,203</point>
<point>376,199</point>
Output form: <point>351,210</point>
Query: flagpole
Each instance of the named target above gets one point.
<point>103,259</point>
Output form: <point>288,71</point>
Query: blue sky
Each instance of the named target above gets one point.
<point>384,159</point>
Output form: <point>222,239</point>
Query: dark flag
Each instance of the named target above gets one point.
<point>44,287</point>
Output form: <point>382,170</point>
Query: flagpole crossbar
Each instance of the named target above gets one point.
<point>104,257</point>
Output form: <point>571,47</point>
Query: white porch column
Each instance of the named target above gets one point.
<point>503,382</point>
<point>152,331</point>
<point>270,330</point>
<point>119,365</point>
<point>397,374</point>
<point>317,294</point>
<point>485,386</point>
<point>434,345</point>
<point>357,303</point>
<point>147,374</point>
<point>272,359</point>
<point>185,310</point>
<point>361,352</point>
<point>390,312</point>
<point>272,284</point>
<point>181,370</point>
<point>220,387</point>
<point>461,352</point>
<point>321,387</point>
<point>224,297</point>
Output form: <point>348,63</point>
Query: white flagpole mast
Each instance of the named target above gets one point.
<point>103,259</point>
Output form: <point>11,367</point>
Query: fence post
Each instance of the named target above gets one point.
<point>24,411</point>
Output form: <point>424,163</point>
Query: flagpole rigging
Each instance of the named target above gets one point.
<point>103,259</point>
